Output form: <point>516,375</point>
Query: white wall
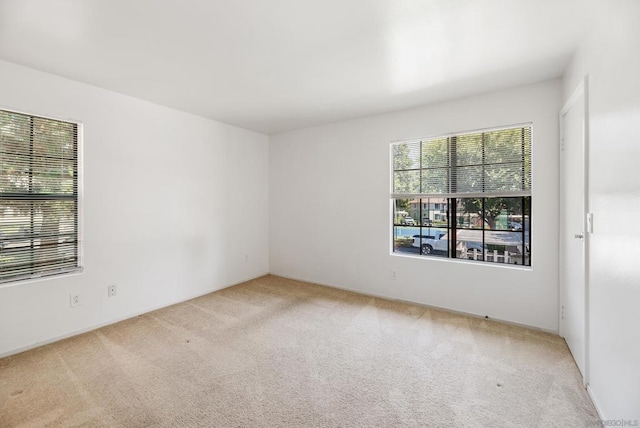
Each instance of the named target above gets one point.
<point>610,56</point>
<point>330,219</point>
<point>172,204</point>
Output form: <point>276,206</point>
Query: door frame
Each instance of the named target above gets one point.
<point>581,89</point>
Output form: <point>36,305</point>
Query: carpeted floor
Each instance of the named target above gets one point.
<point>274,352</point>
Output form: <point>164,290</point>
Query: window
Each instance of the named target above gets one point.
<point>471,192</point>
<point>38,196</point>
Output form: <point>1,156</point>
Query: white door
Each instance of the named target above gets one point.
<point>573,294</point>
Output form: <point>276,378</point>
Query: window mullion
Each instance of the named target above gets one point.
<point>524,243</point>
<point>484,239</point>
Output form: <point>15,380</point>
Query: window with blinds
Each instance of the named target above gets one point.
<point>491,163</point>
<point>465,195</point>
<point>39,230</point>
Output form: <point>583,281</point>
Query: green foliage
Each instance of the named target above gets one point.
<point>406,164</point>
<point>435,153</point>
<point>493,161</point>
<point>493,207</point>
<point>403,241</point>
<point>38,156</point>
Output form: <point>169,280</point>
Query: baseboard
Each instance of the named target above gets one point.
<point>595,402</point>
<point>116,320</point>
<point>426,305</point>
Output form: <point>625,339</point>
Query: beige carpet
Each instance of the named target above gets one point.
<point>279,353</point>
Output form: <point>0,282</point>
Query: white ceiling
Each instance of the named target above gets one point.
<point>277,65</point>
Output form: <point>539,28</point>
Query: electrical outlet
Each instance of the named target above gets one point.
<point>74,300</point>
<point>111,290</point>
<point>394,274</point>
<point>246,257</point>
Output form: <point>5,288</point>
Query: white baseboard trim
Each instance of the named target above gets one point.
<point>116,320</point>
<point>426,305</point>
<point>595,402</point>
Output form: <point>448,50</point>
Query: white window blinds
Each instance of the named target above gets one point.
<point>38,196</point>
<point>481,164</point>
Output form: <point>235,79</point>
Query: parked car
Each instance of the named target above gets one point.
<point>429,243</point>
<point>409,221</point>
<point>439,241</point>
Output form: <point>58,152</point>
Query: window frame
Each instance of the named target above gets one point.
<point>78,199</point>
<point>452,198</point>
